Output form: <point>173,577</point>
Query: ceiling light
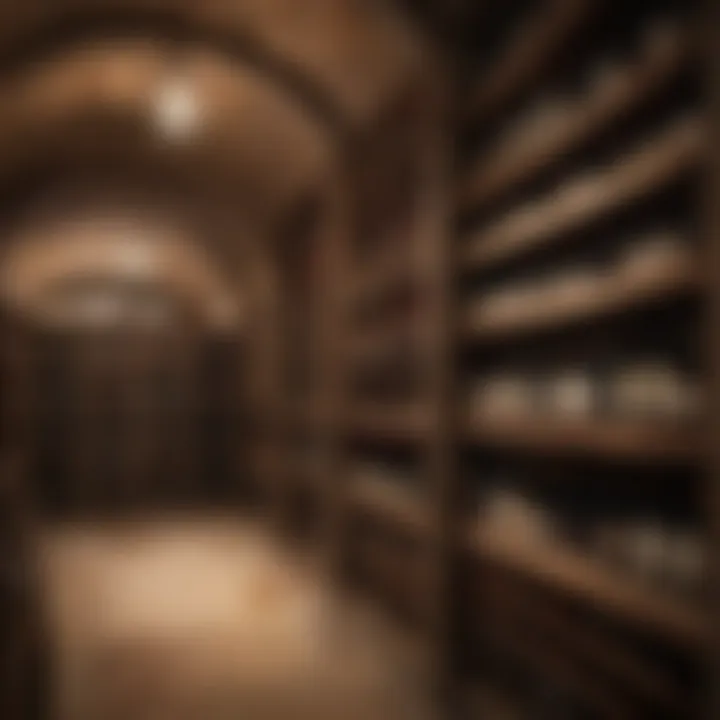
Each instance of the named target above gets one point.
<point>176,109</point>
<point>136,259</point>
<point>101,310</point>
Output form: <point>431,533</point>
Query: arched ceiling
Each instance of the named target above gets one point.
<point>281,85</point>
<point>356,54</point>
<point>96,100</point>
<point>113,244</point>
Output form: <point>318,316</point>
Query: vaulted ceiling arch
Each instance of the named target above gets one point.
<point>344,58</point>
<point>286,88</point>
<point>96,100</point>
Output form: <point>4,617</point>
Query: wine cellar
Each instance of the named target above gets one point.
<point>425,295</point>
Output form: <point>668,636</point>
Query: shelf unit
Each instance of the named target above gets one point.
<point>397,506</point>
<point>529,51</point>
<point>514,163</point>
<point>607,300</point>
<point>623,157</point>
<point>530,205</point>
<point>634,175</point>
<point>614,441</point>
<point>572,574</point>
<point>393,412</point>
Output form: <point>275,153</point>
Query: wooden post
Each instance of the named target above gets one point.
<point>191,413</point>
<point>433,232</point>
<point>23,641</point>
<point>87,422</point>
<point>334,236</point>
<point>272,399</point>
<point>237,441</point>
<point>711,198</point>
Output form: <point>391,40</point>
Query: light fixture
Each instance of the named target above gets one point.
<point>101,310</point>
<point>136,259</point>
<point>177,108</point>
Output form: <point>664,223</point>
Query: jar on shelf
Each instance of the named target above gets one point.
<point>503,396</point>
<point>571,394</point>
<point>512,517</point>
<point>653,390</point>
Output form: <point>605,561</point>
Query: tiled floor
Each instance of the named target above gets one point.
<point>207,619</point>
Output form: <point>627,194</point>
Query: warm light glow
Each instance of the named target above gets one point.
<point>101,310</point>
<point>177,109</point>
<point>137,259</point>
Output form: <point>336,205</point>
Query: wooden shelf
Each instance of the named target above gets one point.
<point>591,165</point>
<point>598,652</point>
<point>615,441</point>
<point>629,89</point>
<point>617,680</point>
<point>390,503</point>
<point>557,670</point>
<point>613,297</point>
<point>526,57</point>
<point>585,579</point>
<point>656,164</point>
<point>405,424</point>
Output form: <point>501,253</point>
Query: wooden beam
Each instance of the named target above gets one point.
<point>709,33</point>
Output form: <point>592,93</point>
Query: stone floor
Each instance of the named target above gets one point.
<point>209,619</point>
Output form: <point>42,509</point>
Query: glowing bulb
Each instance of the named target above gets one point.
<point>102,310</point>
<point>136,259</point>
<point>177,110</point>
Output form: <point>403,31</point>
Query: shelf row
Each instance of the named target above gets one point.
<point>623,441</point>
<point>566,126</point>
<point>600,298</point>
<point>525,57</point>
<point>558,568</point>
<point>656,164</point>
<point>653,269</point>
<point>587,298</point>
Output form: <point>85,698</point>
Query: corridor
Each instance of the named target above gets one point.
<point>359,360</point>
<point>181,618</point>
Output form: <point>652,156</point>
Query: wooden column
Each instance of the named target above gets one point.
<point>189,410</point>
<point>433,233</point>
<point>86,419</point>
<point>138,398</point>
<point>268,402</point>
<point>329,414</point>
<point>712,333</point>
<point>237,400</point>
<point>182,415</point>
<point>229,403</point>
<point>22,639</point>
